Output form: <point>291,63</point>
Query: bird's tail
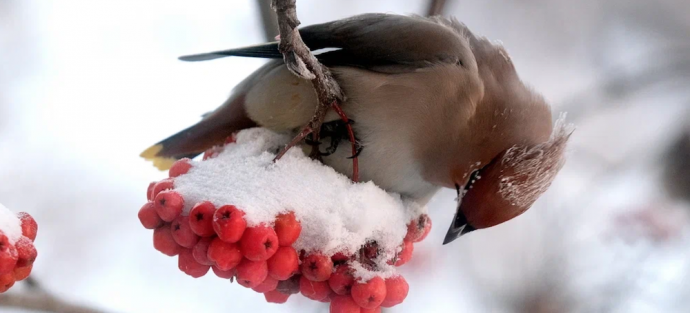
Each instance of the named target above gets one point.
<point>212,130</point>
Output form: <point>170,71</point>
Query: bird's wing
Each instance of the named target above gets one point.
<point>381,42</point>
<point>267,50</point>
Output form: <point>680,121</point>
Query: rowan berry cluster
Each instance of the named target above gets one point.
<point>17,256</point>
<point>262,257</point>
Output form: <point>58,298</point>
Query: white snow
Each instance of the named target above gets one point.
<point>336,214</point>
<point>10,225</point>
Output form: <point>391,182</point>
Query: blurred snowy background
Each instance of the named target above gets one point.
<point>85,86</point>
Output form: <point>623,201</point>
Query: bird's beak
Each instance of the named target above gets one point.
<point>459,226</point>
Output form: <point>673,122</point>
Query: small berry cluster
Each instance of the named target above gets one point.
<point>216,150</point>
<point>262,257</point>
<point>16,260</point>
<point>348,294</point>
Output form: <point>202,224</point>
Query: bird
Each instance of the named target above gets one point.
<point>433,106</point>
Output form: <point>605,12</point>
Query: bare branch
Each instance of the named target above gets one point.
<point>299,58</point>
<point>268,19</point>
<point>33,284</point>
<point>436,7</point>
<point>42,302</point>
<point>301,62</point>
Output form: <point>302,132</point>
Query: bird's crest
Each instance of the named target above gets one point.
<point>534,168</point>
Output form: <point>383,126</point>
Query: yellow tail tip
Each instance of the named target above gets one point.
<point>161,163</point>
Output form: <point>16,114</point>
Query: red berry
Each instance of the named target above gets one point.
<point>163,241</point>
<point>371,294</point>
<point>327,299</point>
<point>231,139</point>
<point>315,290</point>
<point>287,228</point>
<point>226,255</point>
<point>212,152</point>
<point>396,291</point>
<point>259,243</point>
<point>229,223</point>
<point>418,229</point>
<point>187,264</point>
<point>149,217</point>
<point>404,255</point>
<point>169,205</point>
<point>223,274</point>
<point>6,281</point>
<point>180,167</point>
<point>340,257</point>
<point>8,255</point>
<point>344,304</point>
<point>342,280</point>
<point>149,191</point>
<point>165,184</point>
<point>376,310</point>
<point>251,273</point>
<point>276,297</point>
<point>370,250</point>
<point>26,252</point>
<point>29,226</point>
<point>317,267</point>
<point>283,264</point>
<point>201,219</point>
<point>182,233</point>
<point>21,273</point>
<point>200,251</point>
<point>267,285</point>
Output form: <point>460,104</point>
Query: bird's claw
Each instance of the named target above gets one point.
<point>358,152</point>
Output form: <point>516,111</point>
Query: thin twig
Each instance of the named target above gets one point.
<point>436,7</point>
<point>32,284</point>
<point>301,62</point>
<point>268,18</point>
<point>40,301</point>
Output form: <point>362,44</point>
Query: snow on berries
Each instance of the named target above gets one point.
<point>17,250</point>
<point>279,228</point>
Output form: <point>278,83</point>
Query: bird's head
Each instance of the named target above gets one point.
<point>509,184</point>
<point>511,134</point>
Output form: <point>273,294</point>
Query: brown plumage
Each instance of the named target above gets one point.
<point>432,104</point>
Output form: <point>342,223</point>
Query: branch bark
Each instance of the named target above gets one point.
<point>41,301</point>
<point>268,19</point>
<point>304,64</point>
<point>299,58</point>
<point>436,7</point>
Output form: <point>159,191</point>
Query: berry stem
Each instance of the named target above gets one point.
<point>351,134</point>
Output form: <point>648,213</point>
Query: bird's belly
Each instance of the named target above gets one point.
<point>385,160</point>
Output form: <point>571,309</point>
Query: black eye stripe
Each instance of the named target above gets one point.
<point>473,178</point>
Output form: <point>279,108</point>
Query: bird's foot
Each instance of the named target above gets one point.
<point>313,128</point>
<point>353,141</point>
